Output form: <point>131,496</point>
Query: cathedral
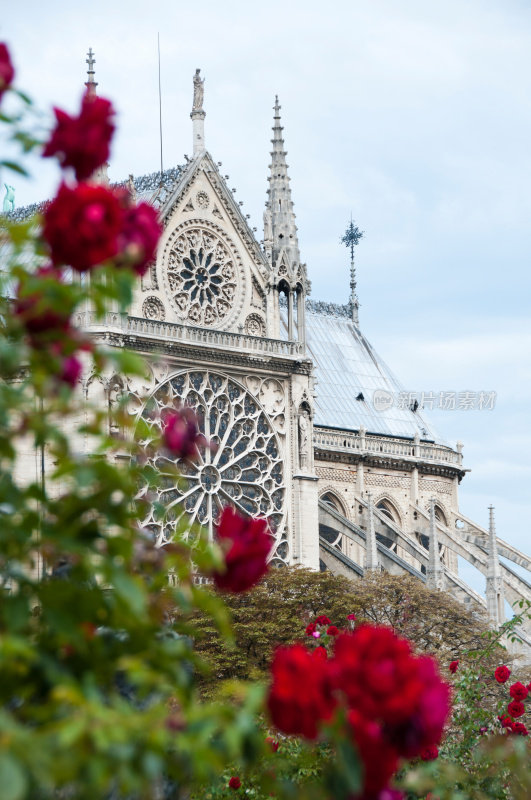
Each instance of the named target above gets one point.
<point>291,392</point>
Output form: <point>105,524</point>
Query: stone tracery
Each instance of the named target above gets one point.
<point>246,470</point>
<point>202,274</point>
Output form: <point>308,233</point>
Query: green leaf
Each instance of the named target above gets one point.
<point>12,165</point>
<point>12,779</point>
<point>130,591</point>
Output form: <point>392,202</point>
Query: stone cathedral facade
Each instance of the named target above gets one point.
<point>292,394</point>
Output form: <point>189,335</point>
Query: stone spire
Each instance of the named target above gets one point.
<point>371,547</point>
<point>101,175</point>
<point>279,206</point>
<point>91,83</point>
<point>494,589</point>
<point>198,114</point>
<point>435,571</point>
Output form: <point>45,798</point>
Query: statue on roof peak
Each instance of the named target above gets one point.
<point>199,91</point>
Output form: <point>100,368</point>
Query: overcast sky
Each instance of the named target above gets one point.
<point>414,116</point>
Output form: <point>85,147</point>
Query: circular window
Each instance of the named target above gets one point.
<point>245,471</point>
<point>203,276</point>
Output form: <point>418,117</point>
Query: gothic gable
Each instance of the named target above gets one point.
<point>210,271</point>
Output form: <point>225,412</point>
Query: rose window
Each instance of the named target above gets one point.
<point>245,471</point>
<point>202,276</point>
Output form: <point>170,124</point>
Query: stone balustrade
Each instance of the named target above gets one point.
<point>173,332</point>
<point>360,442</point>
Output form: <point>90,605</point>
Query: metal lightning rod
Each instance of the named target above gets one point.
<point>160,112</point>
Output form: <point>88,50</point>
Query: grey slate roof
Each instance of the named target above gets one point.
<point>345,366</point>
<point>148,187</point>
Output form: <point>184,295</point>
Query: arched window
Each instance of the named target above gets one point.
<point>389,510</point>
<point>333,501</point>
<point>328,533</point>
<point>440,516</point>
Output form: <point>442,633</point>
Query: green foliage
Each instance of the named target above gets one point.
<point>98,693</point>
<point>277,611</point>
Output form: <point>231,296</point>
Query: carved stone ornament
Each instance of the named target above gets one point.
<point>245,471</point>
<point>255,325</point>
<point>203,276</point>
<point>202,200</point>
<point>153,308</point>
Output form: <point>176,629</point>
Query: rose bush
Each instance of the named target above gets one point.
<point>98,647</point>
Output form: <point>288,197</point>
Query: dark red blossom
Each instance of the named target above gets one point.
<point>516,709</point>
<point>502,673</point>
<point>518,691</point>
<point>429,753</point>
<point>235,782</point>
<point>311,628</point>
<point>139,237</point>
<point>82,225</point>
<point>300,696</point>
<point>273,743</point>
<point>71,370</point>
<point>246,545</point>
<point>40,308</point>
<point>7,72</point>
<point>380,677</point>
<point>379,757</point>
<point>506,722</point>
<point>181,434</point>
<point>453,667</point>
<point>83,142</point>
<point>390,794</point>
<point>322,620</point>
<point>320,652</point>
<point>351,617</point>
<point>332,630</point>
<point>520,729</point>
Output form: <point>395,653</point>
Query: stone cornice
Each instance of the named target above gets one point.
<point>399,463</point>
<point>270,363</point>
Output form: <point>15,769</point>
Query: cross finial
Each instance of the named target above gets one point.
<point>91,83</point>
<point>350,240</point>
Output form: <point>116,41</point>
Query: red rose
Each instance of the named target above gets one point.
<point>246,545</point>
<point>516,709</point>
<point>311,628</point>
<point>351,617</point>
<point>453,667</point>
<point>300,695</point>
<point>7,73</point>
<point>429,753</point>
<point>181,434</point>
<point>332,630</point>
<point>235,782</point>
<point>83,142</point>
<point>41,308</point>
<point>273,744</point>
<point>502,673</point>
<point>71,370</point>
<point>379,758</point>
<point>506,722</point>
<point>520,729</point>
<point>139,237</point>
<point>82,226</point>
<point>381,678</point>
<point>322,620</point>
<point>518,691</point>
<point>320,652</point>
<point>89,629</point>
